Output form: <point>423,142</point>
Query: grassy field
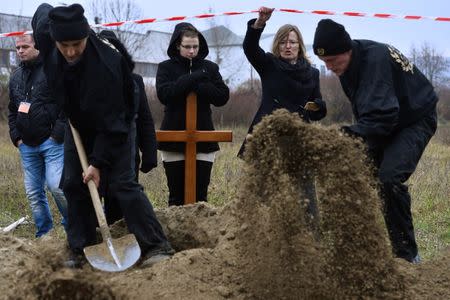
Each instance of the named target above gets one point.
<point>429,187</point>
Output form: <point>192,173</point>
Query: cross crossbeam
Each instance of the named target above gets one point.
<point>191,136</point>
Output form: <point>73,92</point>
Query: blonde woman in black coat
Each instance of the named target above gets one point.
<point>288,80</point>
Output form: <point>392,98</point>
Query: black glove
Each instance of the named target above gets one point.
<point>198,76</point>
<point>148,163</point>
<point>147,167</point>
<point>189,82</point>
<point>203,88</point>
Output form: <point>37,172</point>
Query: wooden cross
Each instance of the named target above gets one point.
<point>191,136</point>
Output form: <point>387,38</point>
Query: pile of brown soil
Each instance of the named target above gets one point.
<point>262,245</point>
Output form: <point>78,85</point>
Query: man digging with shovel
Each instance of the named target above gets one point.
<point>394,106</point>
<point>95,88</point>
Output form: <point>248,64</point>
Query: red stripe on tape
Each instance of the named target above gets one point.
<point>323,12</point>
<point>232,13</point>
<point>413,17</point>
<point>383,15</point>
<point>15,33</point>
<point>180,18</point>
<point>442,19</point>
<point>204,16</point>
<point>354,14</point>
<point>145,21</point>
<point>113,24</point>
<point>292,10</point>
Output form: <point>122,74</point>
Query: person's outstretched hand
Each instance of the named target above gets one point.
<point>264,15</point>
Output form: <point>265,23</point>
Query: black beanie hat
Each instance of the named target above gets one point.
<point>68,23</point>
<point>331,38</point>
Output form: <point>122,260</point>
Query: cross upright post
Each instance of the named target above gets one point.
<point>191,136</point>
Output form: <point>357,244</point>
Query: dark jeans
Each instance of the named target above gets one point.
<point>118,184</point>
<point>397,158</point>
<point>175,180</point>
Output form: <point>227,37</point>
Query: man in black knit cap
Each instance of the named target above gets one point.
<point>94,86</point>
<point>395,111</point>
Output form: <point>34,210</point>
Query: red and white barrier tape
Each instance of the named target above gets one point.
<point>234,13</point>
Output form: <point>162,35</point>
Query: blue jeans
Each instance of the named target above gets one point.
<point>42,165</point>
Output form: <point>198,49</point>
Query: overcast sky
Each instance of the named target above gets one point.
<point>400,33</point>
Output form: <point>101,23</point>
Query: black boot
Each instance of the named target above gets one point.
<point>156,255</point>
<point>75,261</point>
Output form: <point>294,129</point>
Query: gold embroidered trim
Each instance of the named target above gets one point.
<point>406,65</point>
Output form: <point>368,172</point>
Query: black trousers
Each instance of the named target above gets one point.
<point>175,180</point>
<point>112,209</point>
<point>118,184</point>
<point>397,158</point>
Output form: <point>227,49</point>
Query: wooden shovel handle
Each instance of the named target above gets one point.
<point>91,185</point>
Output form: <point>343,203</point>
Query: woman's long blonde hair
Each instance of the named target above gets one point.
<point>282,33</point>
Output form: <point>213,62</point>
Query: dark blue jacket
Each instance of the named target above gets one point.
<point>44,118</point>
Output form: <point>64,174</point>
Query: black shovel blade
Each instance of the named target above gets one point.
<point>114,255</point>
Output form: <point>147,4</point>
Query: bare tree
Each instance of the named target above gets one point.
<point>338,105</point>
<point>107,11</point>
<point>432,63</point>
<point>443,106</point>
<point>217,39</point>
<point>224,46</point>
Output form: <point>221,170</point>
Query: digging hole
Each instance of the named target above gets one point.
<point>72,288</point>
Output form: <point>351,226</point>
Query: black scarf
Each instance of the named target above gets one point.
<point>300,71</point>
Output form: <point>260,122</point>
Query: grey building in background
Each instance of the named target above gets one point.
<point>10,23</point>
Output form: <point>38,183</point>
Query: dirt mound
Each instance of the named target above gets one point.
<point>430,280</point>
<point>262,245</point>
<point>352,257</point>
<point>33,270</point>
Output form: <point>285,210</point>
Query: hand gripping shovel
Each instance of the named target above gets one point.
<point>112,255</point>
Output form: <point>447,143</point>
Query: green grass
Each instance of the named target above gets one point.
<point>13,203</point>
<point>429,186</point>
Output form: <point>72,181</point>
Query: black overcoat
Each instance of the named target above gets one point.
<point>284,85</point>
<point>103,107</point>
